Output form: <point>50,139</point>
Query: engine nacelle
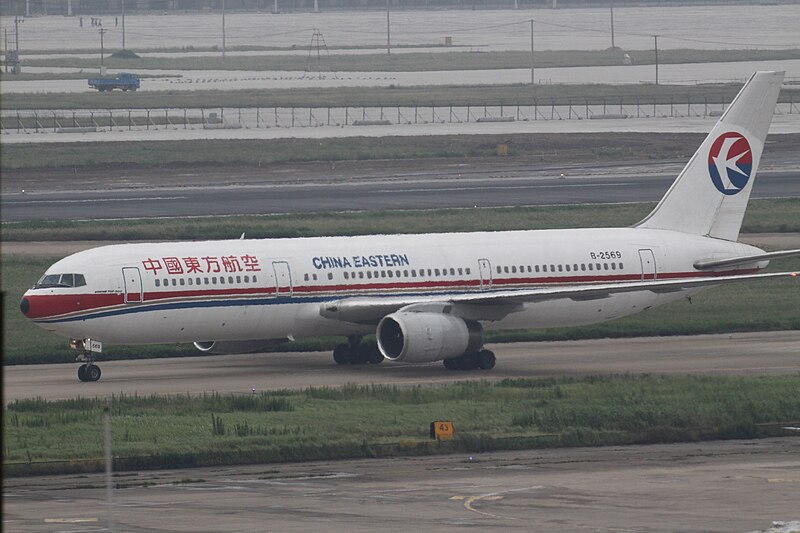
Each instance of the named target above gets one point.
<point>425,337</point>
<point>230,347</point>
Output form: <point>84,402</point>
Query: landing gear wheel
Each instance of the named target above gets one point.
<point>82,373</point>
<point>375,355</point>
<point>341,353</point>
<point>92,372</point>
<point>486,359</point>
<point>450,364</point>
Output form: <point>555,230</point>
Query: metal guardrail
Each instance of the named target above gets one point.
<point>28,121</point>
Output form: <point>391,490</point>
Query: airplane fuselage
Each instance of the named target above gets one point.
<point>278,288</point>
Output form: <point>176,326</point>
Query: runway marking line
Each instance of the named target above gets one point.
<point>492,496</point>
<point>69,520</point>
<point>783,480</point>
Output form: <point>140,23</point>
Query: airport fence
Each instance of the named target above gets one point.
<point>84,120</point>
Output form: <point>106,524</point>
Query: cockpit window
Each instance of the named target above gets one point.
<point>60,280</point>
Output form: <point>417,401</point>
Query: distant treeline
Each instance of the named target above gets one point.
<point>96,7</point>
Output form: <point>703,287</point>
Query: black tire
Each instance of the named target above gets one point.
<point>451,364</point>
<point>375,355</point>
<point>92,372</point>
<point>486,359</point>
<point>358,355</point>
<point>82,373</point>
<point>341,354</point>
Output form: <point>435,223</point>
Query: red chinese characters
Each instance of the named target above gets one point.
<point>202,265</point>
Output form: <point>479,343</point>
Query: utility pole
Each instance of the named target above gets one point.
<point>123,24</point>
<point>388,29</point>
<point>223,30</point>
<point>533,80</point>
<point>655,37</point>
<point>109,466</point>
<point>5,47</point>
<point>17,20</point>
<point>612,25</point>
<point>102,50</point>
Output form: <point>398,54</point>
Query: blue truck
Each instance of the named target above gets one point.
<point>124,80</point>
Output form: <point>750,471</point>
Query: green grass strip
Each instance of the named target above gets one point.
<point>377,421</point>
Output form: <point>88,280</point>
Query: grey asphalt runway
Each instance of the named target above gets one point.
<point>487,188</point>
<point>767,353</point>
<point>729,486</point>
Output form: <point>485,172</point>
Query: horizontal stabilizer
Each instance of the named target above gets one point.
<point>743,260</point>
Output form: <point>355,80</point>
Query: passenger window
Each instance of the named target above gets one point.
<point>158,282</point>
<point>305,277</point>
<point>230,280</point>
<point>552,268</point>
<point>214,280</point>
<point>391,274</point>
<point>205,280</point>
<point>560,268</point>
<point>183,282</point>
<point>313,276</point>
<point>254,279</point>
<point>568,268</point>
<point>460,271</point>
<point>221,280</point>
<point>361,275</point>
<point>413,273</point>
<point>513,269</point>
<point>405,273</point>
<point>467,271</point>
<point>346,275</point>
<point>499,270</point>
<point>591,266</point>
<point>597,265</point>
<point>436,271</point>
<point>330,275</point>
<point>605,266</point>
<point>198,280</point>
<point>613,266</point>
<point>583,266</point>
<point>190,281</point>
<point>536,268</point>
<point>369,274</point>
<point>620,266</point>
<point>452,271</point>
<point>530,269</point>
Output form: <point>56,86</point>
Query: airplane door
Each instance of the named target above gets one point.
<point>648,261</point>
<point>485,270</point>
<point>283,278</point>
<point>133,284</point>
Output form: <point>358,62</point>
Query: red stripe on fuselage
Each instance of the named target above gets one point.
<point>52,305</point>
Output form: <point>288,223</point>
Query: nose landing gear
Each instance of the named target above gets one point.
<point>88,371</point>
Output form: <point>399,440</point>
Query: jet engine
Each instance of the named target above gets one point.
<point>425,337</point>
<point>229,347</point>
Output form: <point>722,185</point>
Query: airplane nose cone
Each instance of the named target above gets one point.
<point>25,306</point>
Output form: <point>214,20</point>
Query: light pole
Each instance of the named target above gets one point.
<point>532,77</point>
<point>388,29</point>
<point>655,37</point>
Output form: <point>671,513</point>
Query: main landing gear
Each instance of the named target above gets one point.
<point>356,352</point>
<point>483,359</point>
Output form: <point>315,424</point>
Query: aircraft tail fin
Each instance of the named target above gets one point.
<point>710,195</point>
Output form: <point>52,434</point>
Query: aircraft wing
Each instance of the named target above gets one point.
<point>495,305</point>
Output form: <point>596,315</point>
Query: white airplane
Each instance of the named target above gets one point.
<point>427,297</point>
